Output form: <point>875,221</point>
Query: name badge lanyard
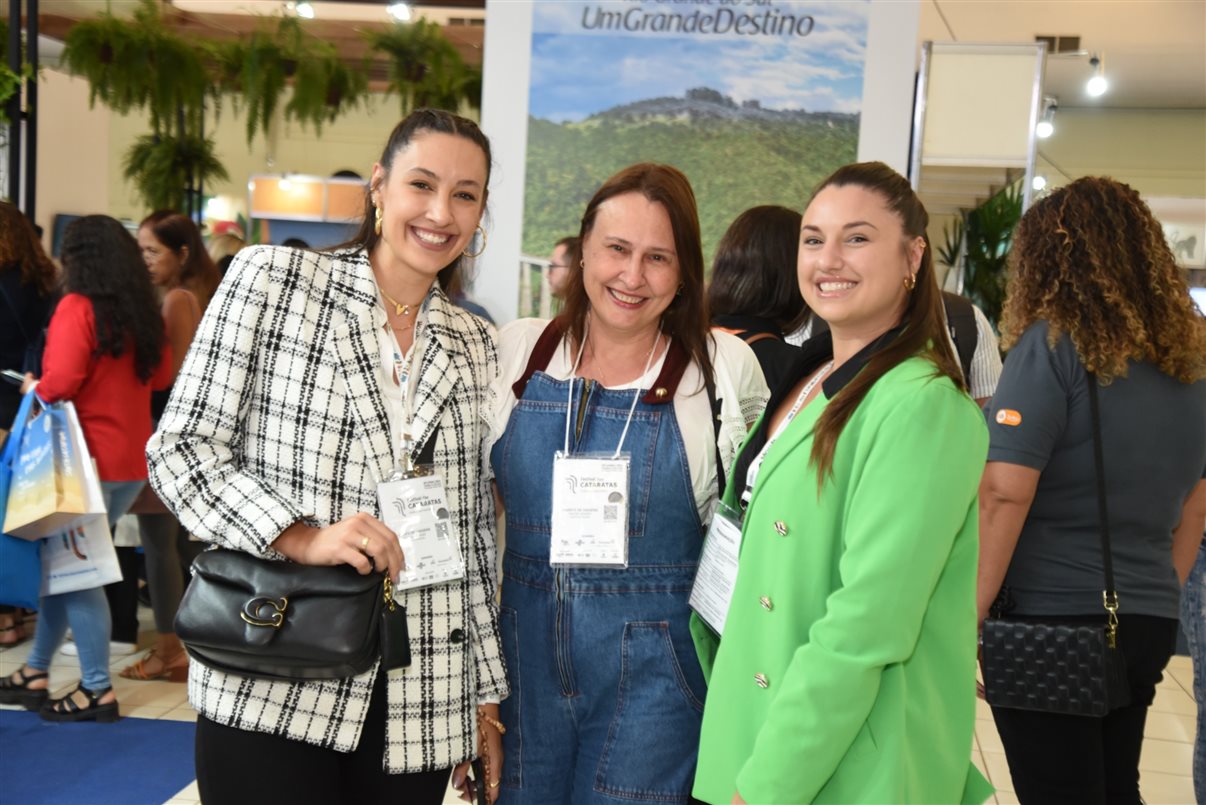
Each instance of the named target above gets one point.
<point>752,474</point>
<point>589,525</point>
<point>569,403</point>
<point>404,464</point>
<point>414,503</point>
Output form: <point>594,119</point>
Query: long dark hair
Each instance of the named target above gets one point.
<point>198,272</point>
<point>686,319</point>
<point>1092,261</point>
<point>21,250</point>
<point>451,277</point>
<point>924,330</point>
<point>102,262</point>
<point>754,272</point>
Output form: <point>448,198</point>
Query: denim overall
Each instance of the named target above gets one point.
<point>606,691</point>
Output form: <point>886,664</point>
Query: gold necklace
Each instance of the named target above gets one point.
<point>400,309</point>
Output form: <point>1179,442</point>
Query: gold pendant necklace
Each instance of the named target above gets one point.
<point>400,309</point>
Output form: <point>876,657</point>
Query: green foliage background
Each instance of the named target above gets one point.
<point>732,164</point>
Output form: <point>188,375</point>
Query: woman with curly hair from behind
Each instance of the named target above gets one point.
<point>1094,296</point>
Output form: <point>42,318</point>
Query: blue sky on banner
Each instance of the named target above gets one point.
<point>592,56</point>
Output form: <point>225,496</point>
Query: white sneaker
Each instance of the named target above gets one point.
<point>116,649</point>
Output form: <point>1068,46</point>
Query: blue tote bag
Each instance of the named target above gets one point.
<point>20,560</point>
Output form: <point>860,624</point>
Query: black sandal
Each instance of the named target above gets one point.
<point>66,709</point>
<point>18,691</point>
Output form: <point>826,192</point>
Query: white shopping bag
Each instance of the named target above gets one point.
<point>54,486</point>
<point>79,559</point>
<point>83,556</point>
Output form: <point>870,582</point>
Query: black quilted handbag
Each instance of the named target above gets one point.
<point>284,621</point>
<point>1066,668</point>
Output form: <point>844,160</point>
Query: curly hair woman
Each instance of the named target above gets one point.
<point>1094,296</point>
<point>105,351</point>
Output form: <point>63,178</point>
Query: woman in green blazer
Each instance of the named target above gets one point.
<point>847,666</point>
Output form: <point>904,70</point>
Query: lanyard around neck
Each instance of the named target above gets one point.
<point>636,396</point>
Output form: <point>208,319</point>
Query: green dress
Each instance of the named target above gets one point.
<point>847,669</point>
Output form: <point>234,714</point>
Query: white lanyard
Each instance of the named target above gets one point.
<point>635,398</point>
<point>751,474</point>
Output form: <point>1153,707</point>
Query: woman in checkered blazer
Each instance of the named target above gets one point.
<point>306,372</point>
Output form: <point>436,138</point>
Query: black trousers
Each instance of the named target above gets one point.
<point>1061,759</point>
<point>123,598</point>
<point>235,766</point>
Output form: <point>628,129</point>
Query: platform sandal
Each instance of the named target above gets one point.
<point>17,690</point>
<point>67,709</point>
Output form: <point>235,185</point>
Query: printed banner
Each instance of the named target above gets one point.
<point>755,100</point>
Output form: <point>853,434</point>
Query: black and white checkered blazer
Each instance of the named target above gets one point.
<point>277,416</point>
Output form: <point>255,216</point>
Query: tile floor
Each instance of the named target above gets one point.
<point>1165,767</point>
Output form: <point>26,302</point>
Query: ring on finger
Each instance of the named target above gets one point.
<point>364,544</point>
<point>493,784</point>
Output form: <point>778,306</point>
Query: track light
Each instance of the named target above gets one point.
<point>1046,125</point>
<point>399,11</point>
<point>1098,84</point>
<point>304,9</point>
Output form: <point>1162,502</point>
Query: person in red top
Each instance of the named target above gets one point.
<point>105,351</point>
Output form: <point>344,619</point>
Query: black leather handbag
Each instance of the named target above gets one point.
<point>284,621</point>
<point>1068,668</point>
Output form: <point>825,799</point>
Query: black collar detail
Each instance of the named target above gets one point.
<point>814,352</point>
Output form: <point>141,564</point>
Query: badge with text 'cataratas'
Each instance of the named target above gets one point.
<point>590,510</point>
<point>416,509</point>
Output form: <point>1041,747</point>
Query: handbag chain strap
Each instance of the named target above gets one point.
<point>1109,595</point>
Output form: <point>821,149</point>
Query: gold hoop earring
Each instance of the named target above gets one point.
<point>377,216</point>
<point>478,253</point>
<point>910,282</point>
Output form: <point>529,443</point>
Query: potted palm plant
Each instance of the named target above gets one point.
<point>986,234</point>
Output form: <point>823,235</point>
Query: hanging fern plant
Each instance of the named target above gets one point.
<point>164,169</point>
<point>425,69</point>
<point>323,88</point>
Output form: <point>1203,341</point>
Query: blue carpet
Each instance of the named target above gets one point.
<point>136,761</point>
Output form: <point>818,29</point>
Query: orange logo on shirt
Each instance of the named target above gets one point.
<point>1007,416</point>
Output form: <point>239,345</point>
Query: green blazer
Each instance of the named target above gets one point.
<point>847,669</point>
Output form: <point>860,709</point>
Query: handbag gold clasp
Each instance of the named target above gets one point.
<point>388,595</point>
<point>1109,599</point>
<point>253,609</point>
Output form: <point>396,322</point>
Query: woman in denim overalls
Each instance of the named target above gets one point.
<point>607,693</point>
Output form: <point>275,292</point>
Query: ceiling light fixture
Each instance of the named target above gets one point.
<point>1098,84</point>
<point>1039,183</point>
<point>1046,124</point>
<point>399,11</point>
<point>304,10</point>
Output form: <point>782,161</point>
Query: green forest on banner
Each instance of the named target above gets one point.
<point>735,159</point>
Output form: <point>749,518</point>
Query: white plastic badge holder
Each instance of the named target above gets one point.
<point>416,509</point>
<point>590,510</point>
<point>717,574</point>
